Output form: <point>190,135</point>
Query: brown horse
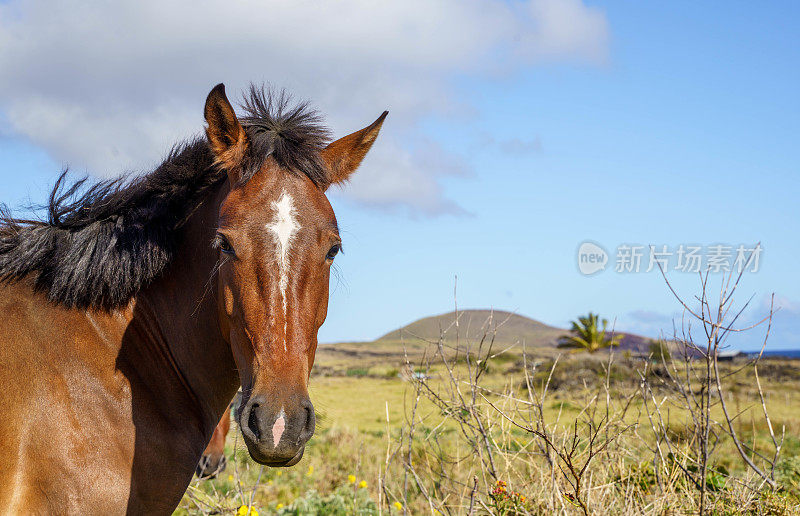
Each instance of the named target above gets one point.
<point>213,460</point>
<point>131,316</point>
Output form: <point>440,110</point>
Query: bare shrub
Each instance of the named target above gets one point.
<point>601,442</point>
<point>487,444</point>
<point>700,398</point>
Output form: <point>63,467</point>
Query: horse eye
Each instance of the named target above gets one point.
<point>333,252</point>
<point>221,243</point>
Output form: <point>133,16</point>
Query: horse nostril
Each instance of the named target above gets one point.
<point>252,421</point>
<point>308,427</point>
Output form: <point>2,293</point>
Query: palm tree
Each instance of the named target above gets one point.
<point>588,333</point>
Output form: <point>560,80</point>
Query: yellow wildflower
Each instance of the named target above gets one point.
<point>351,479</point>
<point>310,471</point>
<point>362,484</point>
<point>279,506</point>
<point>398,506</point>
<point>279,473</point>
<point>246,511</point>
<point>230,478</point>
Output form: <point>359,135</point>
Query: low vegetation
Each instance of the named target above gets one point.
<point>365,435</point>
<point>463,426</point>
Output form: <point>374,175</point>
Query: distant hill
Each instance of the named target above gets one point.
<point>473,324</point>
<point>510,329</point>
<point>636,344</point>
<point>412,342</point>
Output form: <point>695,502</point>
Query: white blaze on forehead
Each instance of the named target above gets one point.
<point>278,428</point>
<point>283,227</point>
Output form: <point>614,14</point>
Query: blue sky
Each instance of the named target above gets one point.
<point>640,123</point>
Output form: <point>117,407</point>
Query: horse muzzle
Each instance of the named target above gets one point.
<point>273,437</point>
<point>210,466</point>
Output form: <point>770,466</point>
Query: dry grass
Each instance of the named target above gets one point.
<point>467,427</point>
<point>354,439</point>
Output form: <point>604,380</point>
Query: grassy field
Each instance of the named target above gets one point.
<point>390,441</point>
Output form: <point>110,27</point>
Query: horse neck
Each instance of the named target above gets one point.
<point>182,309</point>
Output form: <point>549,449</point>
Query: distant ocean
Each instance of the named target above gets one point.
<point>787,353</point>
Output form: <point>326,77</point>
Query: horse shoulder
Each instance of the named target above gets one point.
<point>66,428</point>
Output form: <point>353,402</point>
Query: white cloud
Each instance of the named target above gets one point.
<point>394,178</point>
<point>784,332</point>
<point>109,86</point>
<point>780,303</point>
<point>517,146</point>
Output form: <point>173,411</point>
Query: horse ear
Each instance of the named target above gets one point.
<point>225,134</point>
<point>345,154</point>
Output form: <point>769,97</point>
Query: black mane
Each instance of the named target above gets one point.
<point>293,135</point>
<point>99,247</point>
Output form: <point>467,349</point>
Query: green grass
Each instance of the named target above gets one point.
<point>363,409</point>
